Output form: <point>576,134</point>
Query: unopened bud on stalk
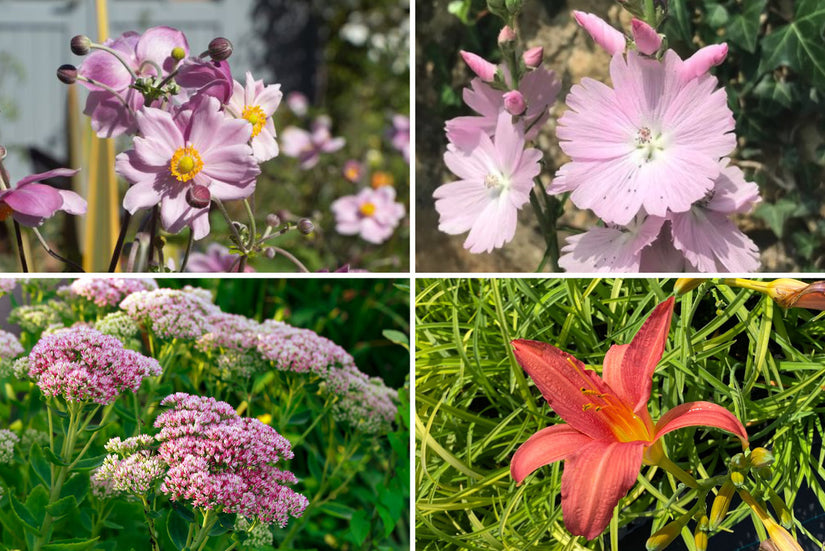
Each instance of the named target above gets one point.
<point>178,53</point>
<point>665,535</point>
<point>67,74</point>
<point>761,457</point>
<point>685,284</point>
<point>273,220</point>
<point>767,545</point>
<point>506,35</point>
<point>514,103</point>
<point>485,70</point>
<point>532,57</point>
<point>81,44</point>
<point>781,510</point>
<point>220,49</point>
<point>721,505</point>
<point>198,196</point>
<point>738,479</point>
<point>646,38</point>
<point>739,462</point>
<point>269,252</point>
<point>305,226</point>
<point>701,540</point>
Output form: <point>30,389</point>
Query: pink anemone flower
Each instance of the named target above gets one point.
<point>372,213</point>
<point>308,146</point>
<point>30,202</point>
<point>608,433</point>
<point>184,162</point>
<point>256,104</point>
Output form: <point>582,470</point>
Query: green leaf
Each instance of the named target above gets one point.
<point>337,510</point>
<point>39,464</point>
<point>178,530</point>
<point>23,515</point>
<point>75,544</point>
<point>717,16</point>
<point>679,25</point>
<point>77,486</point>
<point>89,463</point>
<point>799,44</point>
<point>388,519</point>
<point>400,444</point>
<point>359,527</point>
<point>461,9</point>
<point>62,506</point>
<point>776,214</point>
<point>743,28</point>
<point>226,522</point>
<point>37,502</point>
<point>397,337</point>
<point>774,94</point>
<point>52,458</point>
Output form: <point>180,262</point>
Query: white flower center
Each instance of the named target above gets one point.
<point>496,183</point>
<point>649,145</point>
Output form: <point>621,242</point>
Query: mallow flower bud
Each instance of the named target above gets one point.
<point>506,35</point>
<point>485,70</point>
<point>220,49</point>
<point>67,74</point>
<point>514,103</point>
<point>647,39</point>
<point>81,44</point>
<point>532,57</point>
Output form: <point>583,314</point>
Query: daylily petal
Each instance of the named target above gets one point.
<point>560,378</point>
<point>593,482</point>
<point>546,446</point>
<point>701,414</point>
<point>628,369</point>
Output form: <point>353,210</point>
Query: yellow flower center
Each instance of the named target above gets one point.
<point>185,163</point>
<point>381,179</point>
<point>5,211</point>
<point>367,209</point>
<point>256,117</point>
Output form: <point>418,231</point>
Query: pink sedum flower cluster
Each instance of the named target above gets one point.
<point>488,152</point>
<point>7,285</point>
<point>130,468</point>
<point>373,214</point>
<point>649,157</point>
<point>10,347</point>
<point>172,313</point>
<point>83,364</point>
<point>107,292</point>
<point>220,461</point>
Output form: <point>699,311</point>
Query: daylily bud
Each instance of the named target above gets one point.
<point>514,103</point>
<point>611,40</point>
<point>647,39</point>
<point>485,70</point>
<point>738,479</point>
<point>721,505</point>
<point>788,294</point>
<point>761,457</point>
<point>700,63</point>
<point>220,49</point>
<point>767,545</point>
<point>532,57</point>
<point>665,535</point>
<point>701,540</point>
<point>198,196</point>
<point>739,462</point>
<point>178,53</point>
<point>81,45</point>
<point>506,35</point>
<point>685,284</point>
<point>67,74</point>
<point>782,539</point>
<point>779,507</point>
<point>305,226</point>
<point>273,220</point>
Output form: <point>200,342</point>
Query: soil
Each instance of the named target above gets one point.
<point>569,52</point>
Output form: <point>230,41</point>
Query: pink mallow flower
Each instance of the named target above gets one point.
<point>539,89</point>
<point>30,202</point>
<point>83,364</point>
<point>183,162</point>
<point>308,146</point>
<point>653,141</point>
<point>256,104</point>
<point>496,176</point>
<point>142,52</point>
<point>372,213</point>
<point>608,432</point>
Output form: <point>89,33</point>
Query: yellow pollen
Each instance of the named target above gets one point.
<point>367,209</point>
<point>256,117</point>
<point>185,163</point>
<point>5,211</point>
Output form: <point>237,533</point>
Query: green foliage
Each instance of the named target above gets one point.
<point>475,405</point>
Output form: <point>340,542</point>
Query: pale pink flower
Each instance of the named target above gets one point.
<point>204,154</point>
<point>30,203</point>
<point>256,104</point>
<point>372,213</point>
<point>205,77</point>
<point>653,141</point>
<point>297,103</point>
<point>496,177</point>
<point>172,313</point>
<point>610,40</point>
<point>706,235</point>
<point>308,146</point>
<point>539,88</point>
<point>611,248</point>
<point>108,291</point>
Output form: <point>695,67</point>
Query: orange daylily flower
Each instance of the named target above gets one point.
<point>608,433</point>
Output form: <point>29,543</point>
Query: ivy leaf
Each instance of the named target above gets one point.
<point>777,214</point>
<point>461,9</point>
<point>743,28</point>
<point>678,24</point>
<point>799,44</point>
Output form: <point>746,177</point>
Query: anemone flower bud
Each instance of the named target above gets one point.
<point>700,62</point>
<point>81,44</point>
<point>485,70</point>
<point>273,220</point>
<point>721,505</point>
<point>647,39</point>
<point>761,457</point>
<point>269,252</point>
<point>610,40</point>
<point>220,49</point>
<point>514,103</point>
<point>67,74</point>
<point>198,196</point>
<point>506,35</point>
<point>305,226</point>
<point>532,57</point>
<point>3,152</point>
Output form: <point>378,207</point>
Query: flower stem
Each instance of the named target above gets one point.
<point>153,535</point>
<point>124,226</point>
<point>677,471</point>
<point>289,256</point>
<point>53,254</point>
<point>189,243</point>
<point>24,267</point>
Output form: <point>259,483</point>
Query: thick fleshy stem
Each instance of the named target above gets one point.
<point>124,226</point>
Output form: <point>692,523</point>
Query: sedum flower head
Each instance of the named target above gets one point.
<point>10,348</point>
<point>83,364</point>
<point>119,325</point>
<point>300,350</point>
<point>131,467</point>
<point>38,317</point>
<point>7,441</point>
<point>172,313</point>
<point>108,291</point>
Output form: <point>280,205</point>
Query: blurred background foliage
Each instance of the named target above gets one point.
<point>774,76</point>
